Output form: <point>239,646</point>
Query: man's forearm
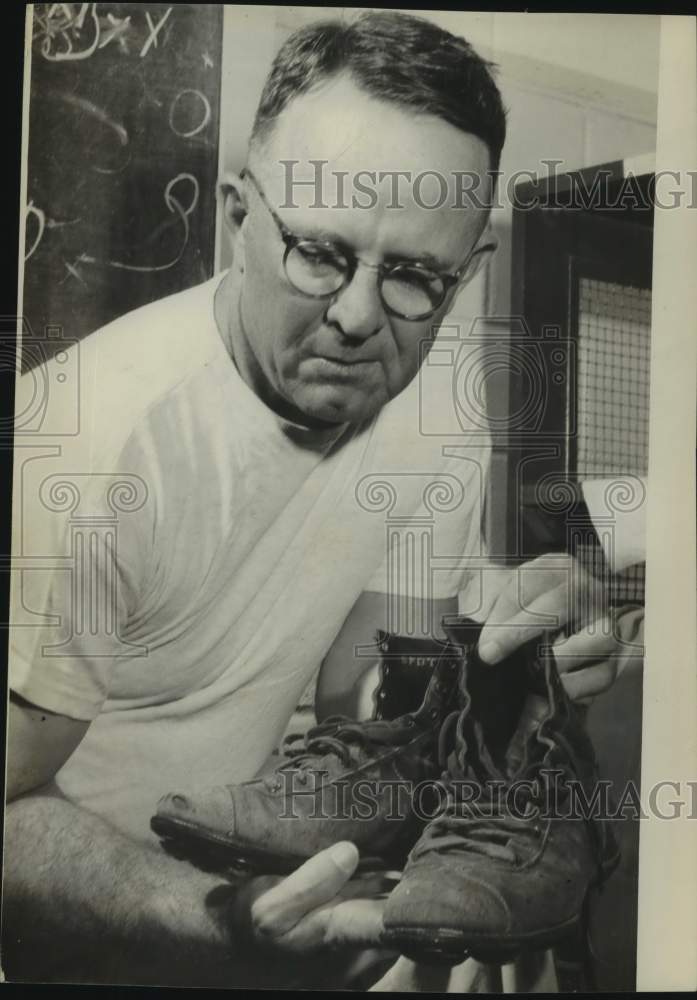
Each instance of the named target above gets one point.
<point>83,901</point>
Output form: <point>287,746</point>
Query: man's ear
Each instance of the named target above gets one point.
<point>234,200</point>
<point>486,247</point>
<point>488,241</point>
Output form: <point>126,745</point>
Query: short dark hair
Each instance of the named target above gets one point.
<point>394,57</point>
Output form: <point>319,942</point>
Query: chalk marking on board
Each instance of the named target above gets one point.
<point>47,30</point>
<point>150,98</point>
<point>70,20</point>
<point>53,25</point>
<point>173,205</point>
<point>72,270</point>
<point>31,209</point>
<point>154,31</point>
<point>112,171</point>
<point>194,199</point>
<point>67,12</point>
<point>80,19</point>
<point>145,96</point>
<point>92,109</point>
<point>119,26</point>
<point>207,61</point>
<point>56,224</point>
<point>41,22</point>
<point>62,29</point>
<point>204,121</point>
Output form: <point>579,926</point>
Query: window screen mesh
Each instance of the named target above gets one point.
<point>614,341</point>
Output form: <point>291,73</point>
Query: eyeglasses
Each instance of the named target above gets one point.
<point>408,289</point>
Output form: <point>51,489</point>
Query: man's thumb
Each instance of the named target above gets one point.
<point>316,882</point>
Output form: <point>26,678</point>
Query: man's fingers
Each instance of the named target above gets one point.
<point>399,977</point>
<point>500,639</point>
<point>525,583</point>
<point>548,612</point>
<point>316,882</point>
<point>595,643</point>
<point>591,681</point>
<point>351,923</point>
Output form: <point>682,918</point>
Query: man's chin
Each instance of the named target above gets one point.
<point>333,408</point>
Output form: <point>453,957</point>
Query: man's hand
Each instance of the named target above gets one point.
<point>546,595</point>
<point>591,659</point>
<point>316,907</point>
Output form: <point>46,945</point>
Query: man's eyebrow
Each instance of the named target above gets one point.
<point>427,259</point>
<point>311,232</point>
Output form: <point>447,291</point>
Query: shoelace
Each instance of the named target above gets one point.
<point>494,837</point>
<point>336,736</point>
<point>592,827</point>
<point>486,827</point>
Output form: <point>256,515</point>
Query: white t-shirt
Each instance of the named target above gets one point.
<point>183,558</point>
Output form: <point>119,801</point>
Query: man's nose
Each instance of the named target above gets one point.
<point>357,308</point>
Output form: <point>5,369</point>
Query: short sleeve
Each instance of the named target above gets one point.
<point>432,553</point>
<point>76,560</point>
<point>621,503</point>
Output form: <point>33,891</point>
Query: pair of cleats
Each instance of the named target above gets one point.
<point>474,796</point>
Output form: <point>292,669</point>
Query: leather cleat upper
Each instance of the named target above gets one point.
<point>343,780</point>
<point>406,666</point>
<point>507,863</point>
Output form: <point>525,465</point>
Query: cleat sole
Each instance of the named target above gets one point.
<point>447,946</point>
<point>212,852</point>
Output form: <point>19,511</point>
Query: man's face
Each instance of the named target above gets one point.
<point>340,359</point>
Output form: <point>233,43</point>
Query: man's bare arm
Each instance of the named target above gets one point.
<point>83,902</point>
<point>40,742</point>
<point>79,895</point>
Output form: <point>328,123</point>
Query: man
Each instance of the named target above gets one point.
<point>246,416</point>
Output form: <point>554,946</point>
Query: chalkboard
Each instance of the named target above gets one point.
<point>122,159</point>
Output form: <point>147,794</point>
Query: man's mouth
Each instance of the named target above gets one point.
<point>338,360</point>
<point>338,367</point>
